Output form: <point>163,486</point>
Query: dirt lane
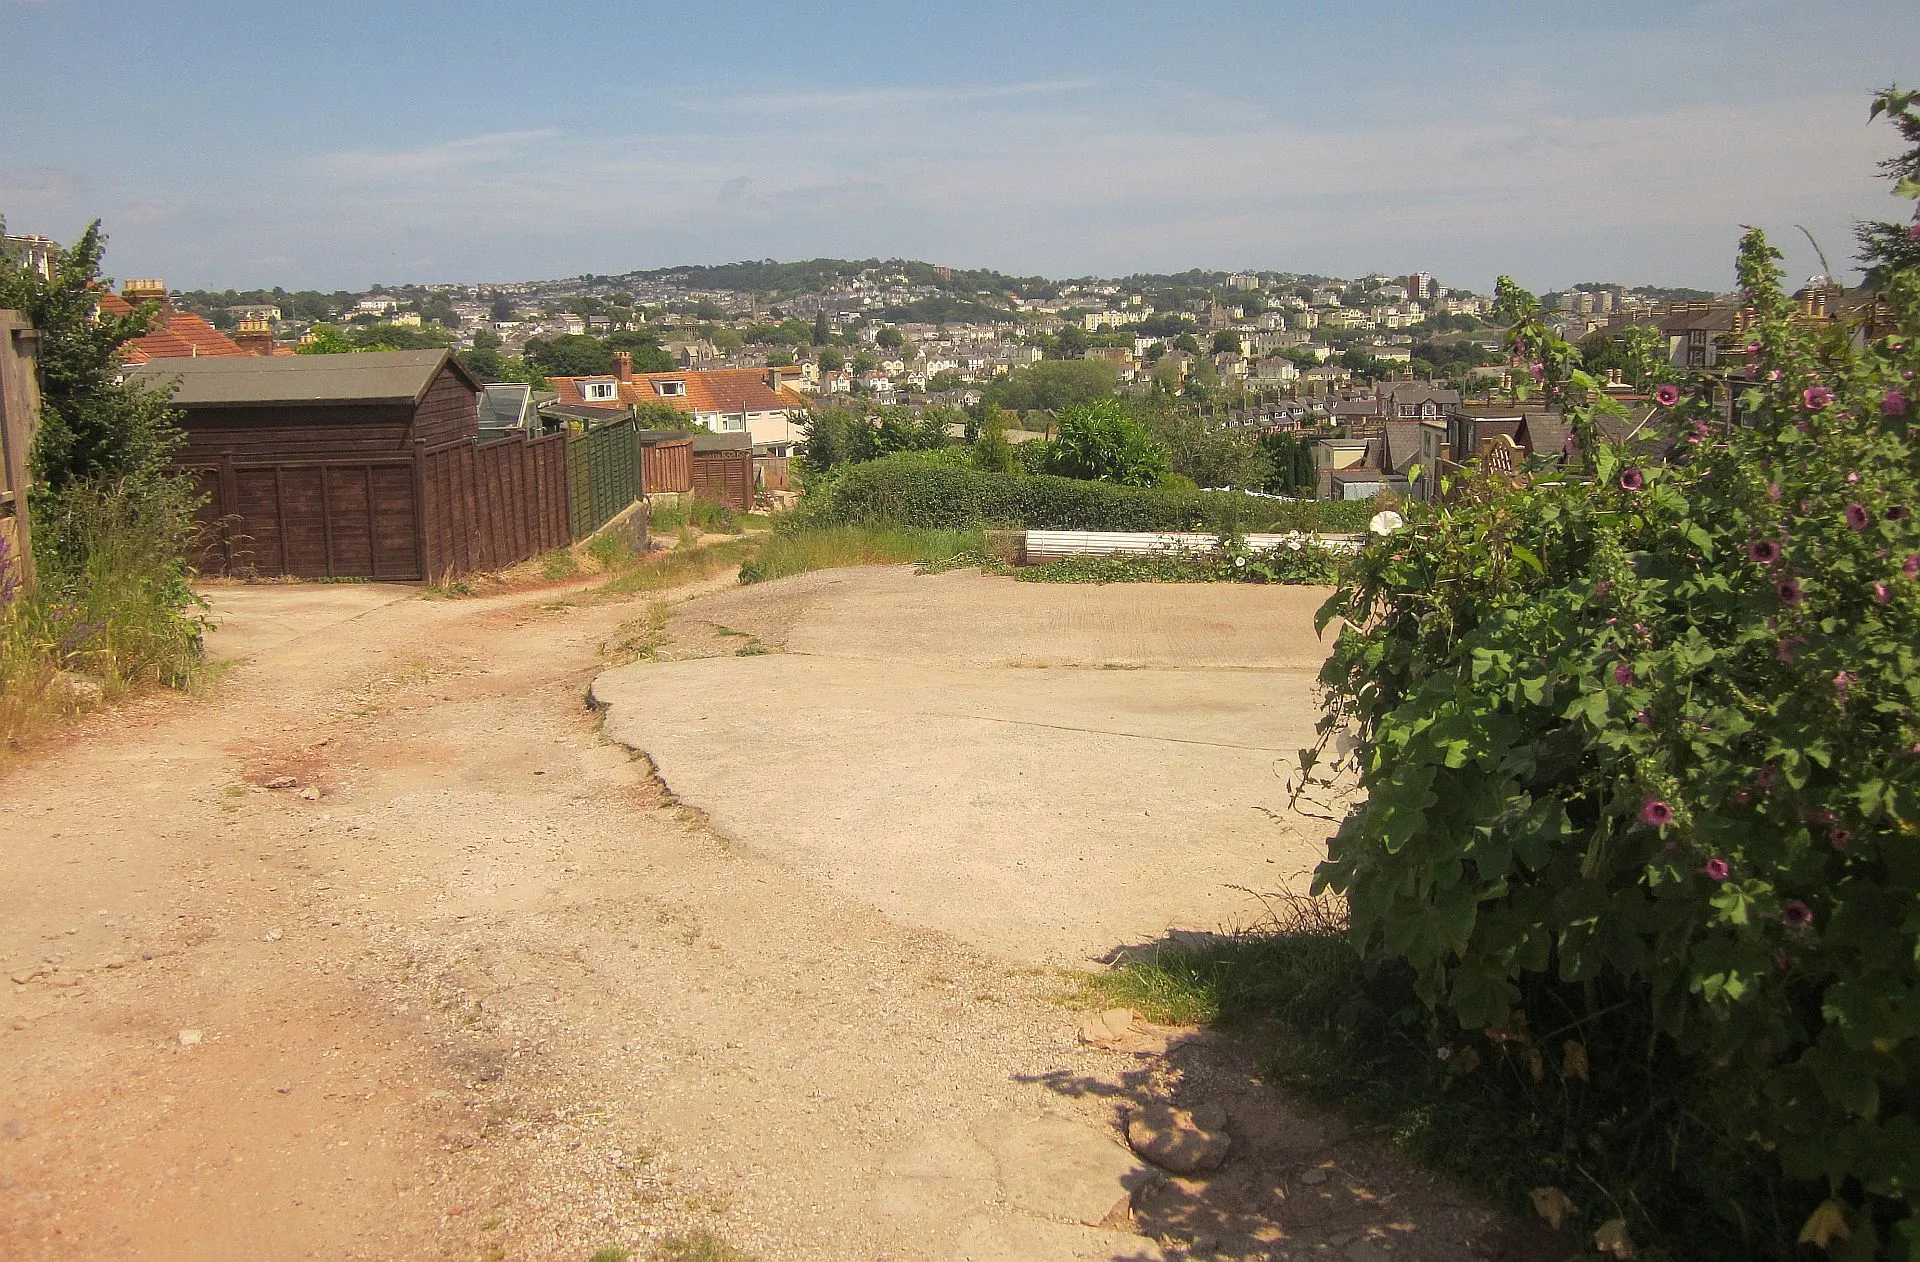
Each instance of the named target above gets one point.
<point>484,992</point>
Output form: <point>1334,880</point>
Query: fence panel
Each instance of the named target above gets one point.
<point>724,477</point>
<point>666,467</point>
<point>603,474</point>
<point>19,409</point>
<point>494,505</point>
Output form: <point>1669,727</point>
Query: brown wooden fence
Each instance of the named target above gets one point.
<point>443,511</point>
<point>490,505</point>
<point>774,473</point>
<point>19,407</point>
<point>667,466</point>
<point>724,477</point>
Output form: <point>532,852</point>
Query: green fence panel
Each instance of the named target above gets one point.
<point>603,474</point>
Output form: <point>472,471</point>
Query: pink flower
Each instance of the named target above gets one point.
<point>1753,348</point>
<point>1787,647</point>
<point>1882,594</point>
<point>1895,404</point>
<point>1773,491</point>
<point>1796,916</point>
<point>1763,779</point>
<point>1601,588</point>
<point>1717,868</point>
<point>1843,680</point>
<point>1643,717</point>
<point>1858,518</point>
<point>1536,371</point>
<point>1788,590</point>
<point>1912,566</point>
<point>1622,674</point>
<point>1666,396</point>
<point>1763,551</point>
<point>1816,398</point>
<point>1914,232</point>
<point>1840,839</point>
<point>1632,480</point>
<point>1656,814</point>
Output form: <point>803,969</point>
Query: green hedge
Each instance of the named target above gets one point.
<point>920,493</point>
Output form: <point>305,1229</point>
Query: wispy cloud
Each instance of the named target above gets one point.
<point>465,154</point>
<point>852,100</point>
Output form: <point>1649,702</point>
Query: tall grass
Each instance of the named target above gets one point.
<point>110,610</point>
<point>670,569</point>
<point>832,547</point>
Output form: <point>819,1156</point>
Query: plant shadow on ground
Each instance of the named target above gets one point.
<point>1506,1116</point>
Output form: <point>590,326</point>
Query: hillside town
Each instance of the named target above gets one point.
<point>1380,375</point>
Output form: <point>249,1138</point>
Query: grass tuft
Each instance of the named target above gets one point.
<point>698,1246</point>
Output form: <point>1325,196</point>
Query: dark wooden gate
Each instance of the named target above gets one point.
<point>725,477</point>
<point>310,519</point>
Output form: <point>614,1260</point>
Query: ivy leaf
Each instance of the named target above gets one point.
<point>1826,1224</point>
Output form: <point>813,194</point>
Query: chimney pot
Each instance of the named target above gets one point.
<point>623,365</point>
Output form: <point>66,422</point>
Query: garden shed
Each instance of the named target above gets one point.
<point>365,465</point>
<point>666,461</point>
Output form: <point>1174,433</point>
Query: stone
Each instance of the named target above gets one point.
<point>1063,1169</point>
<point>271,935</point>
<point>21,976</point>
<point>281,782</point>
<point>1174,1140</point>
<point>942,1174</point>
<point>189,1038</point>
<point>1123,1030</point>
<point>309,794</point>
<point>1314,1177</point>
<point>985,1238</point>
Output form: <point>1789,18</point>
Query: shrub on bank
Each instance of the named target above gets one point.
<point>1641,756</point>
<point>911,491</point>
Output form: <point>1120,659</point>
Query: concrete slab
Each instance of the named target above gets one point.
<point>1046,814</point>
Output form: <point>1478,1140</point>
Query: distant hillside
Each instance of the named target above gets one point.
<point>770,279</point>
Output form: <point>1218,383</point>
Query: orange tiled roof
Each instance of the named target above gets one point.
<point>179,335</point>
<point>708,391</point>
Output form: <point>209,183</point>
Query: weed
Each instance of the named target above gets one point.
<point>831,547</point>
<point>698,1246</point>
<point>639,639</point>
<point>686,565</point>
<point>559,563</point>
<point>612,1253</point>
<point>610,548</point>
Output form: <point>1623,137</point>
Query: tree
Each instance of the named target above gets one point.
<point>502,309</point>
<point>890,338</point>
<point>822,331</point>
<point>486,340</point>
<point>1227,342</point>
<point>991,450</point>
<point>1053,384</point>
<point>570,355</point>
<point>829,359</point>
<point>1291,457</point>
<point>1890,248</point>
<point>779,359</point>
<point>863,361</point>
<point>835,437</point>
<point>325,339</point>
<point>1100,442</point>
<point>1187,342</point>
<point>1071,342</point>
<point>944,380</point>
<point>94,427</point>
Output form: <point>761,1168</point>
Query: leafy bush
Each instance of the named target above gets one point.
<point>832,547</point>
<point>1641,753</point>
<point>916,492</point>
<point>1298,560</point>
<point>1102,443</point>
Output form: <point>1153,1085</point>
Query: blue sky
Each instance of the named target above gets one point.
<point>342,144</point>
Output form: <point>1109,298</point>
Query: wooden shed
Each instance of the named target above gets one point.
<point>365,465</point>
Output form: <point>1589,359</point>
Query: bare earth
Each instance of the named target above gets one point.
<point>477,986</point>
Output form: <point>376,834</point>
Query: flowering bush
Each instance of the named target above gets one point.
<point>1641,754</point>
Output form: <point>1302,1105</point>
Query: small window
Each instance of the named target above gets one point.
<point>597,390</point>
<point>671,389</point>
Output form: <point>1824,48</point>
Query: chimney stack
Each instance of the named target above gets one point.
<point>139,291</point>
<point>623,365</point>
<point>255,337</point>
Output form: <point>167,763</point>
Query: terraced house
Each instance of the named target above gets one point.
<point>760,402</point>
